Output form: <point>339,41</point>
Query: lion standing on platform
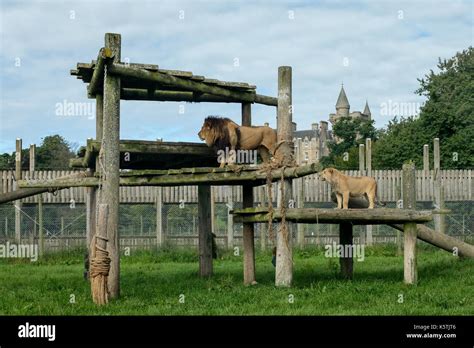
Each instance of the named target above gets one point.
<point>222,133</point>
<point>347,186</point>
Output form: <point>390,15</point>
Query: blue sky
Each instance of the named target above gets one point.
<point>377,48</point>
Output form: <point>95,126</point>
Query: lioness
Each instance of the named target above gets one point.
<point>348,186</point>
<point>221,132</point>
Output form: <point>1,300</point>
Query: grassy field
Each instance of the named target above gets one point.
<point>152,283</point>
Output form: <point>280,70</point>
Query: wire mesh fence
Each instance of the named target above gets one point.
<point>64,225</point>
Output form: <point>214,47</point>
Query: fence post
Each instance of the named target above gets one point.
<point>31,173</point>
<point>368,164</point>
<point>300,203</point>
<point>439,219</point>
<point>398,197</point>
<point>17,203</point>
<point>263,227</point>
<point>361,159</point>
<point>159,217</point>
<point>205,226</point>
<point>40,225</point>
<point>409,229</point>
<point>230,217</point>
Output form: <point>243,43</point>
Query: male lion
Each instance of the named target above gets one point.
<point>348,186</point>
<point>222,133</point>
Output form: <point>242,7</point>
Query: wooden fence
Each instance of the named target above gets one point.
<point>458,186</point>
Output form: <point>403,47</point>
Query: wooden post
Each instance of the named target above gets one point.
<point>18,205</point>
<point>398,197</point>
<point>426,159</point>
<point>361,159</point>
<point>409,229</point>
<point>205,226</point>
<point>213,211</point>
<point>32,159</point>
<point>32,154</point>
<point>263,227</point>
<point>248,233</point>
<point>40,226</point>
<point>111,154</point>
<point>345,240</point>
<point>230,217</point>
<point>284,257</point>
<point>368,164</point>
<point>300,204</point>
<point>159,217</point>
<point>439,219</point>
<point>363,231</point>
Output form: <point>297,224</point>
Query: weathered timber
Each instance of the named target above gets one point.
<point>174,177</point>
<point>284,252</point>
<point>111,165</point>
<point>248,231</point>
<point>409,228</point>
<point>98,74</point>
<point>179,96</point>
<point>335,216</point>
<point>205,233</point>
<point>28,192</point>
<point>346,261</point>
<point>182,83</point>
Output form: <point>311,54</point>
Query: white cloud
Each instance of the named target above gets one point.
<point>386,55</point>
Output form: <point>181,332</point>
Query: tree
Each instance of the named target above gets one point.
<point>54,153</point>
<point>351,132</point>
<point>448,114</point>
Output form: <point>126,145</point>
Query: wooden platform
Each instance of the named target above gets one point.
<point>335,216</point>
<point>145,154</point>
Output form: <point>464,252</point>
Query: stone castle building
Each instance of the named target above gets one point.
<point>312,144</point>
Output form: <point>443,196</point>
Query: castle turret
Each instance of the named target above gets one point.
<point>342,104</point>
<point>367,111</point>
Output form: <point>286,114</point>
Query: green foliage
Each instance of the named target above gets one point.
<point>352,132</point>
<point>448,114</point>
<point>54,153</point>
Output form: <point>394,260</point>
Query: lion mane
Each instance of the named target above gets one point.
<point>215,131</point>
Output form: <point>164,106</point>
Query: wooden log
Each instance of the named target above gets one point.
<point>205,226</point>
<point>248,232</point>
<point>98,74</point>
<point>111,148</point>
<point>179,177</point>
<point>300,204</point>
<point>368,165</point>
<point>178,82</point>
<point>409,229</point>
<point>40,226</point>
<point>284,257</point>
<point>32,158</point>
<point>322,216</point>
<point>179,96</point>
<point>345,240</point>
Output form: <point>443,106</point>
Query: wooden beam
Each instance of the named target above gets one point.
<point>185,84</point>
<point>440,220</point>
<point>205,227</point>
<point>111,165</point>
<point>248,233</point>
<point>176,177</point>
<point>18,205</point>
<point>32,158</point>
<point>336,216</point>
<point>98,74</point>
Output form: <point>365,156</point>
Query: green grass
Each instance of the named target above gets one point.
<point>151,283</point>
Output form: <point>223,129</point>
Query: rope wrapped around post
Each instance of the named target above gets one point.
<point>100,260</point>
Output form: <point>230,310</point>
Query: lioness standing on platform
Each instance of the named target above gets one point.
<point>348,186</point>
